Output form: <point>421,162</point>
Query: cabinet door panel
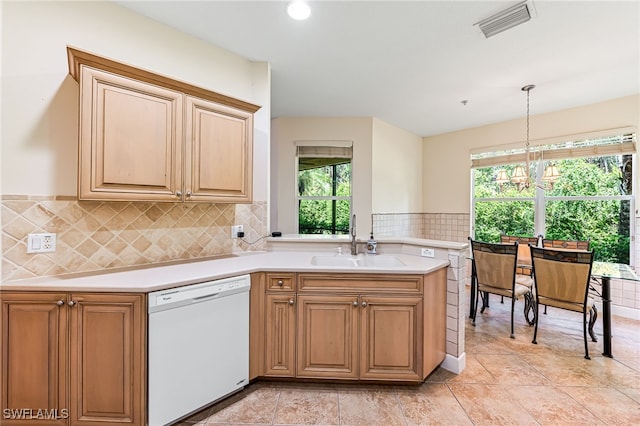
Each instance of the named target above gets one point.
<point>280,335</point>
<point>131,135</point>
<point>107,353</point>
<point>391,331</point>
<point>34,359</point>
<point>219,152</point>
<point>327,336</point>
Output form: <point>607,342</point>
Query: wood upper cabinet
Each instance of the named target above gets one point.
<point>218,152</point>
<point>147,137</point>
<point>80,354</point>
<point>130,139</point>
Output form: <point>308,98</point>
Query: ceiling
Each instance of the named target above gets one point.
<point>412,63</point>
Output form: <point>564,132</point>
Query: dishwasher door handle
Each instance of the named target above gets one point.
<point>205,297</point>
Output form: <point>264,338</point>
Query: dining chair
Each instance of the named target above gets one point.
<point>561,280</point>
<point>495,268</point>
<point>565,245</point>
<point>524,254</point>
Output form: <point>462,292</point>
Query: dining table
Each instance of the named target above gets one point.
<point>600,286</point>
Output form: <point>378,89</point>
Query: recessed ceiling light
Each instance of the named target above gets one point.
<point>298,9</point>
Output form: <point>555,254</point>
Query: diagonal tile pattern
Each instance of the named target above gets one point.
<point>94,236</point>
<point>506,382</point>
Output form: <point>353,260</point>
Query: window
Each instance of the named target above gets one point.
<point>324,187</point>
<point>592,199</point>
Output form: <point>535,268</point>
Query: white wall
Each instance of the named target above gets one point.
<point>396,179</point>
<point>39,132</point>
<point>446,176</point>
<point>285,131</point>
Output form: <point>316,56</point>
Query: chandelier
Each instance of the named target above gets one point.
<point>521,175</point>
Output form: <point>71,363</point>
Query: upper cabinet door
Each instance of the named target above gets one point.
<point>218,152</point>
<point>130,139</point>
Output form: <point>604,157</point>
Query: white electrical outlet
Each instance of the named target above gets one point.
<point>427,252</point>
<point>235,229</point>
<point>41,243</point>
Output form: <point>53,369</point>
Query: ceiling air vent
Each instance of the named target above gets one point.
<point>508,18</point>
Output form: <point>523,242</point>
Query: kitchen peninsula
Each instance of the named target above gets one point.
<point>373,318</point>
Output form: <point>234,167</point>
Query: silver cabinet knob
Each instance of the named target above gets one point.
<point>178,193</point>
<point>355,303</point>
<point>71,303</point>
<point>280,283</point>
<point>364,304</point>
<point>292,302</point>
<point>188,194</point>
<point>60,302</point>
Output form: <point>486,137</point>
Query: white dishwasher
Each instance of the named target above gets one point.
<point>198,346</point>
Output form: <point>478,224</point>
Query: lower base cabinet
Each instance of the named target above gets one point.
<point>352,327</point>
<point>359,337</point>
<point>73,358</point>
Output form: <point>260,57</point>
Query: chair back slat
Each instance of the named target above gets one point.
<point>562,275</point>
<point>567,244</point>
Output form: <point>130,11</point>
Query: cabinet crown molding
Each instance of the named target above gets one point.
<point>77,58</point>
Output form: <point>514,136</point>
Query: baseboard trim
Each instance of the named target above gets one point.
<point>453,364</point>
<point>621,311</point>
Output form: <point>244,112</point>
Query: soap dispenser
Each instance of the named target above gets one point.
<point>372,244</point>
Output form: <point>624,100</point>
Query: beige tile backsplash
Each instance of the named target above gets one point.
<point>93,236</point>
<point>432,226</point>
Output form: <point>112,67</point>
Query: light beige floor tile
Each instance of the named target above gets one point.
<point>490,405</point>
<point>256,407</point>
<point>370,409</point>
<point>474,372</point>
<point>511,370</point>
<point>551,406</point>
<point>608,404</point>
<point>431,404</point>
<point>307,407</point>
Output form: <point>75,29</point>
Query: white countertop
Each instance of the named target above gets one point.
<point>160,277</point>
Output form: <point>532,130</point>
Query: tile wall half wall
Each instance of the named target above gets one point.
<point>432,226</point>
<point>93,236</point>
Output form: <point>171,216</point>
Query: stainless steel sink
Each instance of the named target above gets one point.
<point>377,261</point>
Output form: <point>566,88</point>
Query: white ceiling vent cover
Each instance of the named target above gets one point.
<point>514,15</point>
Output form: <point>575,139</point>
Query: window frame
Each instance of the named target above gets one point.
<point>322,146</point>
<point>540,200</point>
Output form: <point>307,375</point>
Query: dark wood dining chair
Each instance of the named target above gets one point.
<point>495,268</point>
<point>561,280</point>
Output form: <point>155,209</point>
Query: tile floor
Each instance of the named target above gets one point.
<point>506,382</point>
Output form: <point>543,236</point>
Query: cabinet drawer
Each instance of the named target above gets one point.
<point>350,283</point>
<point>278,282</point>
